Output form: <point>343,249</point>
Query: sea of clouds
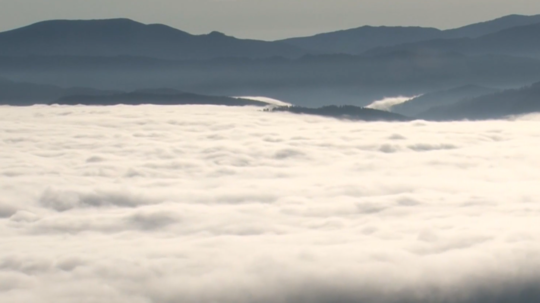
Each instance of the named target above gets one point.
<point>155,204</point>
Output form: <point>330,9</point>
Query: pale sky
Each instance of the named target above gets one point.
<point>267,19</point>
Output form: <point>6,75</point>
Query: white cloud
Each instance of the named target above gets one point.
<point>218,204</point>
<point>387,103</point>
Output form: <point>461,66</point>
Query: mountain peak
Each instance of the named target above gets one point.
<point>111,22</point>
<point>492,26</point>
<point>217,34</point>
<point>116,37</point>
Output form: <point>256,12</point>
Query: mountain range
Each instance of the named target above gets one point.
<point>20,93</point>
<point>362,39</point>
<point>307,81</point>
<point>109,61</point>
<point>117,37</point>
<point>420,104</point>
<point>515,41</point>
<point>157,97</point>
<point>491,106</point>
<point>346,112</point>
<point>23,94</point>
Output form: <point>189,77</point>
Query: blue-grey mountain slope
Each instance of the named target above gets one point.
<point>155,97</point>
<point>359,40</point>
<point>117,37</point>
<point>516,41</point>
<point>25,94</point>
<point>441,98</point>
<point>21,93</point>
<point>308,81</point>
<point>347,112</point>
<point>485,28</point>
<point>521,101</point>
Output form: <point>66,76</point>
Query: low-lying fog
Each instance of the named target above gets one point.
<point>153,204</point>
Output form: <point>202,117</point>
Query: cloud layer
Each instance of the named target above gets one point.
<point>154,204</point>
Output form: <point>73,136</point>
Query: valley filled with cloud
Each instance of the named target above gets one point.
<point>163,204</point>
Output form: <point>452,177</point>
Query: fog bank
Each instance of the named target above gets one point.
<point>150,204</point>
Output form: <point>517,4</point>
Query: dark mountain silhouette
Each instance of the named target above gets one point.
<point>509,102</point>
<point>307,81</point>
<point>83,64</point>
<point>359,40</point>
<point>24,94</point>
<point>158,97</point>
<point>423,103</point>
<point>516,41</point>
<point>158,91</point>
<point>14,93</point>
<point>484,28</point>
<point>348,112</point>
<point>116,37</point>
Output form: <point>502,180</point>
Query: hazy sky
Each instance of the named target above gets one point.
<point>267,19</point>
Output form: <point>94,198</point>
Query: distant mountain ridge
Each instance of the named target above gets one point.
<point>25,94</point>
<point>516,41</point>
<point>488,27</point>
<point>348,112</point>
<point>21,93</point>
<point>359,40</point>
<point>155,97</point>
<point>115,37</point>
<point>427,101</point>
<point>125,37</point>
<point>521,101</point>
<point>124,55</point>
<point>308,81</point>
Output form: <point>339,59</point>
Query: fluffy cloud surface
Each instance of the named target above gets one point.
<point>155,204</point>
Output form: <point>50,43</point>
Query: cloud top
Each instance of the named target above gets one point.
<point>215,204</point>
<point>387,103</point>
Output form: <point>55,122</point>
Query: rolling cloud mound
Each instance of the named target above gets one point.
<point>151,204</point>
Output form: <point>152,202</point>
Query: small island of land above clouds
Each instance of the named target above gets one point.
<point>346,112</point>
<point>156,97</point>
